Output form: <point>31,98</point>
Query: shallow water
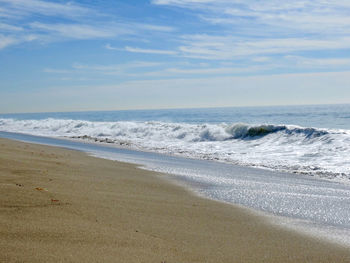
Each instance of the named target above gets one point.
<point>312,140</point>
<point>318,207</point>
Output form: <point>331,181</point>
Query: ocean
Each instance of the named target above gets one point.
<point>290,163</point>
<point>311,139</point>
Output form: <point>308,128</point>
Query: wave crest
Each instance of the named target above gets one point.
<point>241,130</point>
<point>280,147</point>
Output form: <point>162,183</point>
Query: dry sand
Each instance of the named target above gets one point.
<point>58,205</point>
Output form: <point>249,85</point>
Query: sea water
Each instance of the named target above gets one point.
<point>312,140</point>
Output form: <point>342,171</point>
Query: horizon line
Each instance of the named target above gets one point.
<point>178,108</point>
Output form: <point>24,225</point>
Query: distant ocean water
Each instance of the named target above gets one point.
<point>312,140</point>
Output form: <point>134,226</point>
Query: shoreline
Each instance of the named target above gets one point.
<point>126,146</point>
<point>68,206</point>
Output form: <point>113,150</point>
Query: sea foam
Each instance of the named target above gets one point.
<point>307,150</point>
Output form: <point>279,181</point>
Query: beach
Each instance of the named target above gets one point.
<point>60,205</point>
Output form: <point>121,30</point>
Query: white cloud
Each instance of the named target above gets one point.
<point>228,47</point>
<point>6,41</point>
<point>9,40</point>
<point>261,59</point>
<point>142,50</point>
<point>117,69</point>
<point>262,28</point>
<point>56,71</point>
<point>149,51</point>
<point>108,46</point>
<point>6,27</point>
<point>187,3</point>
<point>322,16</point>
<point>46,8</point>
<point>26,13</point>
<point>106,68</point>
<point>281,35</point>
<point>200,72</point>
<point>149,27</point>
<point>253,67</point>
<point>318,62</point>
<point>97,30</point>
<point>78,31</point>
<point>71,21</point>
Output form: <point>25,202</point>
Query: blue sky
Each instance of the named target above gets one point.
<point>105,55</point>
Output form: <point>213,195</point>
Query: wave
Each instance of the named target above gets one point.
<point>240,131</point>
<point>314,151</point>
<point>189,132</point>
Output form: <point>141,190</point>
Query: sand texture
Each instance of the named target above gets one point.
<point>58,205</point>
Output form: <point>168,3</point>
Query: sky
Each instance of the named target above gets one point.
<point>148,54</point>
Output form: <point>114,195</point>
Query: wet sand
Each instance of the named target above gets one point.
<point>58,205</point>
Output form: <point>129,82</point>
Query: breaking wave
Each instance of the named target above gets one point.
<point>313,151</point>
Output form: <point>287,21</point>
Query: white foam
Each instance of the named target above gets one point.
<point>321,152</point>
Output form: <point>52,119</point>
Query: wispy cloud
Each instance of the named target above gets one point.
<point>78,31</point>
<point>21,21</point>
<point>318,62</point>
<point>229,47</point>
<point>189,3</point>
<point>114,69</point>
<point>200,72</point>
<point>142,50</point>
<point>46,8</point>
<point>57,71</point>
<point>261,28</point>
<point>53,21</point>
<point>149,51</point>
<point>150,27</point>
<point>321,17</point>
<point>254,36</point>
<point>6,41</point>
<point>11,28</point>
<point>107,68</point>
